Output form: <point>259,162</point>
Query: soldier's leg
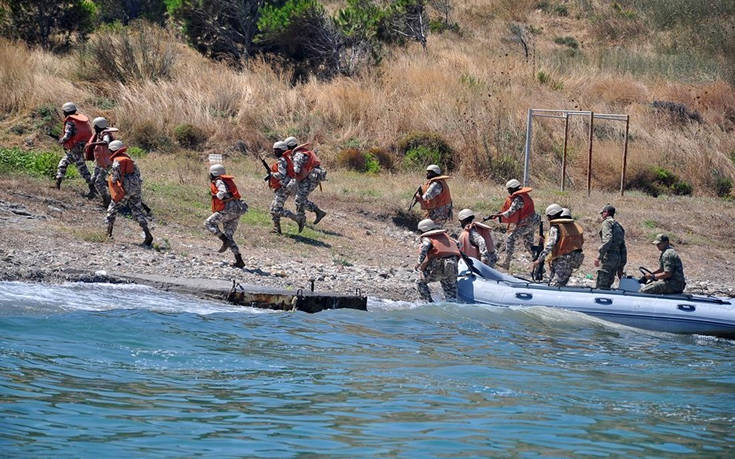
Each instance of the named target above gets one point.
<point>100,180</point>
<point>302,196</point>
<point>63,164</point>
<point>449,279</point>
<point>510,244</point>
<point>605,278</point>
<point>212,223</point>
<point>562,269</point>
<point>423,288</point>
<point>78,157</point>
<point>659,287</point>
<point>135,204</point>
<point>491,260</point>
<point>230,226</point>
<point>277,209</point>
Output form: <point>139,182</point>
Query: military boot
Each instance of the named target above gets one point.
<point>109,229</point>
<point>238,261</point>
<point>58,183</point>
<point>92,191</point>
<point>106,201</point>
<point>225,243</point>
<point>148,241</point>
<point>276,227</point>
<point>301,220</point>
<point>319,215</point>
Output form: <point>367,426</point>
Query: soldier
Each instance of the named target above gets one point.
<point>227,207</point>
<point>281,181</point>
<point>437,261</point>
<point>309,174</point>
<point>434,196</point>
<point>476,239</point>
<point>97,149</point>
<point>76,134</point>
<point>519,210</point>
<point>669,277</point>
<point>125,187</point>
<point>563,246</point>
<point>613,254</point>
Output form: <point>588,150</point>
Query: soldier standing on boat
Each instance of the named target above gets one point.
<point>76,134</point>
<point>669,277</point>
<point>437,261</point>
<point>281,181</point>
<point>563,246</point>
<point>308,174</point>
<point>125,187</point>
<point>613,254</point>
<point>434,196</point>
<point>98,149</point>
<point>227,207</point>
<point>476,239</point>
<point>519,210</point>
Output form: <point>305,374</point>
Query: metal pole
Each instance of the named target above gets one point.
<point>564,156</point>
<point>528,147</point>
<point>589,155</point>
<point>625,155</point>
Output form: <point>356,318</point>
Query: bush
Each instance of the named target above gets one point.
<point>189,136</point>
<point>49,23</point>
<point>419,149</point>
<point>567,41</point>
<point>384,158</point>
<point>149,137</point>
<point>723,186</point>
<point>656,181</point>
<point>361,161</point>
<point>39,163</point>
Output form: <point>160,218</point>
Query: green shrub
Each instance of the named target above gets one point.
<point>189,136</point>
<point>136,152</point>
<point>39,163</point>
<point>361,161</point>
<point>384,158</point>
<point>419,149</point>
<point>656,181</point>
<point>567,41</point>
<point>149,137</point>
<point>561,10</point>
<point>543,77</point>
<point>723,186</point>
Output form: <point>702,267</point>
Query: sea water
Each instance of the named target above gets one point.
<point>127,371</point>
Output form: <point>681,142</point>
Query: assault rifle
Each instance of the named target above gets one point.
<point>267,169</point>
<point>537,274</point>
<point>415,198</point>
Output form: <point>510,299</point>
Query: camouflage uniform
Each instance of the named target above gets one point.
<point>563,265</point>
<point>669,262</point>
<point>488,258</point>
<point>440,214</point>
<point>99,176</point>
<point>229,217</point>
<point>525,229</point>
<point>282,194</point>
<point>613,253</point>
<point>443,270</point>
<point>74,155</point>
<point>307,184</point>
<point>133,184</point>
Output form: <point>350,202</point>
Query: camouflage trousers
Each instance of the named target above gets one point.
<point>563,266</point>
<point>443,270</point>
<point>279,200</point>
<point>662,287</point>
<point>440,215</point>
<point>525,231</point>
<point>607,271</point>
<point>306,186</point>
<point>229,219</point>
<point>74,156</point>
<point>134,203</point>
<point>99,179</point>
<point>491,260</point>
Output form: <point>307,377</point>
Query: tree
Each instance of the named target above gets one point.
<point>49,23</point>
<point>128,10</point>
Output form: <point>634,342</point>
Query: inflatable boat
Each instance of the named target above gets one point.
<point>705,315</point>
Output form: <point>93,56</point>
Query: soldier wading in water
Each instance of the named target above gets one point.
<point>227,207</point>
<point>437,261</point>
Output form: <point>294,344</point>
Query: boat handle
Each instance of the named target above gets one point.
<point>687,307</point>
<point>524,296</point>
<point>603,301</point>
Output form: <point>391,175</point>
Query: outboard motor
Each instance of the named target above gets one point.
<point>629,284</point>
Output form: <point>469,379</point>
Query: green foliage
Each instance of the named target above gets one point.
<point>436,26</point>
<point>47,120</point>
<point>189,136</point>
<point>561,10</point>
<point>656,181</point>
<point>419,149</point>
<point>39,163</point>
<point>149,137</point>
<point>383,157</point>
<point>567,41</point>
<point>543,77</point>
<point>136,152</point>
<point>51,24</point>
<point>360,161</point>
<point>124,11</point>
<point>723,186</point>
<point>503,166</point>
<point>277,19</point>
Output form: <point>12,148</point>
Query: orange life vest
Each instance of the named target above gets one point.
<point>527,209</point>
<point>275,183</point>
<point>217,203</point>
<point>82,130</point>
<point>99,153</point>
<point>571,237</point>
<point>127,166</point>
<point>442,199</point>
<point>470,249</point>
<point>312,161</point>
<point>442,246</point>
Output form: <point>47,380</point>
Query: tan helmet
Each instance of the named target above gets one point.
<point>553,209</point>
<point>69,107</point>
<point>280,145</point>
<point>434,168</point>
<point>464,214</point>
<point>566,213</point>
<point>291,142</point>
<point>426,225</point>
<point>116,145</point>
<point>216,170</point>
<point>513,183</point>
<point>100,123</point>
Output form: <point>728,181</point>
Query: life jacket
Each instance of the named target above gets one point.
<point>526,211</point>
<point>571,237</point>
<point>217,203</point>
<point>127,166</point>
<point>275,183</point>
<point>312,161</point>
<point>442,199</point>
<point>99,153</point>
<point>442,246</point>
<point>465,242</point>
<point>82,130</point>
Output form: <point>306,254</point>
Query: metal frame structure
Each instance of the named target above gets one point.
<point>565,114</point>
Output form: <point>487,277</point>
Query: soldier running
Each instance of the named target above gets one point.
<point>563,246</point>
<point>613,254</point>
<point>476,239</point>
<point>76,134</point>
<point>98,149</point>
<point>125,187</point>
<point>437,261</point>
<point>227,207</point>
<point>308,174</point>
<point>434,196</point>
<point>281,181</point>
<point>519,210</point>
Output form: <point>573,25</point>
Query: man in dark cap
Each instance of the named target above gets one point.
<point>669,277</point>
<point>613,254</point>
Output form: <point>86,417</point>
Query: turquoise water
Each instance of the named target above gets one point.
<point>111,371</point>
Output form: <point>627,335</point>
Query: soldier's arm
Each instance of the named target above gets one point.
<point>115,172</point>
<point>282,174</point>
<point>107,138</point>
<point>479,241</point>
<point>425,247</point>
<point>222,192</point>
<point>298,162</point>
<point>606,236</point>
<point>552,237</point>
<point>515,206</point>
<point>68,131</point>
<point>433,191</point>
